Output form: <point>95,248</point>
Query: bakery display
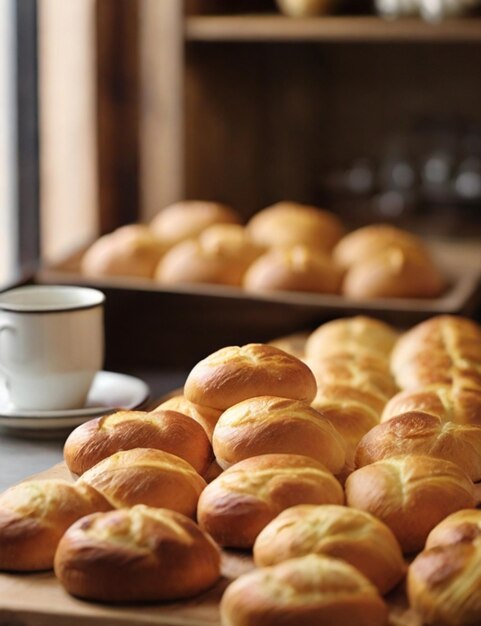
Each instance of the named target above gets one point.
<point>142,554</point>
<point>146,476</point>
<point>163,429</point>
<point>410,494</point>
<point>236,373</point>
<point>269,424</point>
<point>33,517</point>
<point>238,504</point>
<point>337,531</point>
<point>306,590</point>
<point>204,415</point>
<point>420,433</point>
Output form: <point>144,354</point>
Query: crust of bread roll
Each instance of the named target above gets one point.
<point>136,555</point>
<point>236,373</point>
<point>410,494</point>
<point>238,504</point>
<point>188,218</point>
<point>296,268</point>
<point>458,527</point>
<point>308,590</point>
<point>273,425</point>
<point>146,476</point>
<point>204,415</point>
<point>444,584</point>
<point>420,433</point>
<point>33,517</point>
<point>290,223</point>
<point>337,531</point>
<point>354,335</point>
<point>167,430</point>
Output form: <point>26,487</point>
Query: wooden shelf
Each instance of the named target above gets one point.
<point>329,29</point>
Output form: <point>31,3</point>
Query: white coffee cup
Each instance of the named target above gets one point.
<point>51,345</point>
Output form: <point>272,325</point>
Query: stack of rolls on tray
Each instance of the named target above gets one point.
<point>287,246</point>
<point>334,462</point>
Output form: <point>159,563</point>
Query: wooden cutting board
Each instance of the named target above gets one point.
<point>39,600</point>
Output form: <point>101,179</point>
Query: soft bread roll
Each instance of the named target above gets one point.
<point>187,219</point>
<point>458,527</point>
<point>394,273</point>
<point>132,250</point>
<point>238,504</point>
<point>33,517</point>
<point>204,415</point>
<point>448,402</point>
<point>292,344</point>
<point>141,554</point>
<point>445,349</point>
<point>410,494</point>
<point>232,241</point>
<point>163,429</point>
<point>354,335</point>
<point>268,425</point>
<point>289,223</point>
<point>234,373</point>
<point>295,268</point>
<point>146,476</point>
<point>311,590</point>
<point>337,531</point>
<point>420,433</point>
<point>444,585</point>
<point>363,243</point>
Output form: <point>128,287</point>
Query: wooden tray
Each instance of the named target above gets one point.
<point>39,600</point>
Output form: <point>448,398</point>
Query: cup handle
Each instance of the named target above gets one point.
<point>5,327</point>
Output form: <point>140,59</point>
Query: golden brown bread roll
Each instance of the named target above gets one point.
<point>131,250</point>
<point>311,590</point>
<point>238,504</point>
<point>458,527</point>
<point>445,349</point>
<point>234,373</point>
<point>420,433</point>
<point>163,429</point>
<point>204,415</point>
<point>273,425</point>
<point>290,223</point>
<point>146,476</point>
<point>410,494</point>
<point>33,517</point>
<point>306,8</point>
<point>394,273</point>
<point>292,344</point>
<point>232,241</point>
<point>354,335</point>
<point>337,531</point>
<point>295,268</point>
<point>141,554</point>
<point>444,585</point>
<point>188,218</point>
<point>448,402</point>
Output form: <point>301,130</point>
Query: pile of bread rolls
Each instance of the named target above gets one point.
<point>284,247</point>
<point>300,456</point>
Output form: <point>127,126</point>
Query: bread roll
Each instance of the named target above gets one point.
<point>310,590</point>
<point>394,273</point>
<point>141,554</point>
<point>289,223</point>
<point>188,218</point>
<point>354,335</point>
<point>306,8</point>
<point>132,250</point>
<point>444,585</point>
<point>233,242</point>
<point>273,425</point>
<point>445,349</point>
<point>33,517</point>
<point>458,527</point>
<point>234,373</point>
<point>292,344</point>
<point>295,268</point>
<point>146,476</point>
<point>204,415</point>
<point>410,494</point>
<point>238,504</point>
<point>337,531</point>
<point>420,433</point>
<point>163,429</point>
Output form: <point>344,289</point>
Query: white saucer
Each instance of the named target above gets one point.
<point>109,391</point>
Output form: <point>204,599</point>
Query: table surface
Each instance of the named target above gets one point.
<point>21,457</point>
